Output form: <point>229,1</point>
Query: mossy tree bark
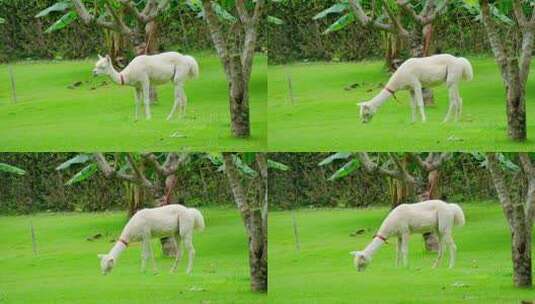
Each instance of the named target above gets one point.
<point>254,212</point>
<point>519,213</point>
<point>514,59</point>
<point>235,45</point>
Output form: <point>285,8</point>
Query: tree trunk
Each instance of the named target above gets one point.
<point>392,53</point>
<point>146,43</point>
<point>168,245</point>
<point>257,252</point>
<point>239,108</point>
<point>521,254</point>
<point>400,192</point>
<point>254,225</point>
<point>417,46</point>
<point>432,192</point>
<point>516,113</point>
<point>152,47</point>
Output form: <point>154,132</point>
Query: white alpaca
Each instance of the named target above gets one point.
<point>174,221</point>
<point>428,216</point>
<point>416,73</point>
<point>151,70</point>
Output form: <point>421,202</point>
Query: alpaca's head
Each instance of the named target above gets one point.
<point>106,263</point>
<point>103,66</point>
<point>360,260</point>
<point>366,112</point>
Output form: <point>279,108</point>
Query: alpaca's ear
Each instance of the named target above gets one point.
<point>362,104</point>
<point>354,253</point>
<point>108,58</point>
<point>100,256</point>
<point>99,57</point>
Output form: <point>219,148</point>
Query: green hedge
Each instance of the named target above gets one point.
<point>307,184</point>
<point>43,188</point>
<point>301,37</point>
<point>23,35</point>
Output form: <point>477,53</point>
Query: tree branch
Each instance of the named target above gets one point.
<point>501,187</point>
<point>496,42</point>
<point>407,7</point>
<point>529,169</point>
<point>402,169</point>
<point>519,14</point>
<point>215,28</point>
<point>251,33</point>
<point>431,11</point>
<point>142,180</point>
<point>240,196</point>
<point>261,161</point>
<point>131,7</point>
<point>527,165</point>
<point>398,27</point>
<point>372,167</point>
<point>432,162</point>
<point>109,171</point>
<point>87,18</point>
<point>242,11</point>
<point>365,20</point>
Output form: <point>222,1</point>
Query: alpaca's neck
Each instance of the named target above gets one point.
<point>116,76</point>
<point>117,249</point>
<point>373,246</point>
<point>380,99</point>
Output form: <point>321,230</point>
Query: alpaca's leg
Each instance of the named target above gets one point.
<point>398,252</point>
<point>153,260</point>
<point>139,96</point>
<point>453,249</point>
<point>405,248</point>
<point>178,254</point>
<point>459,104</point>
<point>191,251</point>
<point>417,87</point>
<point>441,248</point>
<point>413,106</point>
<point>460,107</point>
<point>183,102</point>
<point>144,252</point>
<point>146,98</point>
<point>452,104</point>
<point>175,105</point>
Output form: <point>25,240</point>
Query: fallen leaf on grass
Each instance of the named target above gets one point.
<point>177,135</point>
<point>455,138</point>
<point>94,237</point>
<point>459,284</point>
<point>358,232</point>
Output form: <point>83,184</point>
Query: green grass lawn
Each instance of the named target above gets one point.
<point>67,269</point>
<point>323,271</point>
<point>324,116</point>
<point>51,117</point>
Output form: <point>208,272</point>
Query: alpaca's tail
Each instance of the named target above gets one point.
<point>468,72</point>
<point>193,66</point>
<point>198,219</point>
<point>458,215</point>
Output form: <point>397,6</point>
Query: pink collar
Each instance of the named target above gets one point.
<point>380,237</point>
<point>123,241</point>
<point>390,91</point>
